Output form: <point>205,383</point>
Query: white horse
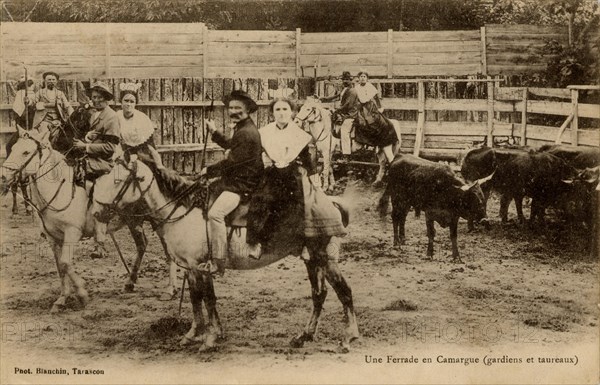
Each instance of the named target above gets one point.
<point>63,209</point>
<point>318,118</point>
<point>184,229</point>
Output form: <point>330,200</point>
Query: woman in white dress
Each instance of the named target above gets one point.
<point>372,127</point>
<point>286,197</point>
<point>137,129</point>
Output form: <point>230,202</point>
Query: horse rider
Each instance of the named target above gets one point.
<point>347,111</point>
<point>240,172</point>
<point>52,104</point>
<point>287,199</point>
<point>372,128</point>
<point>24,101</point>
<point>98,150</point>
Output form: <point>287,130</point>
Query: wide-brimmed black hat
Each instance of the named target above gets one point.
<point>102,88</point>
<point>243,97</point>
<point>50,73</point>
<point>346,75</point>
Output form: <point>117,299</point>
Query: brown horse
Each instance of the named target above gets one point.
<point>128,184</point>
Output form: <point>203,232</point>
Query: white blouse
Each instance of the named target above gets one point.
<point>282,146</point>
<point>135,130</point>
<point>366,92</point>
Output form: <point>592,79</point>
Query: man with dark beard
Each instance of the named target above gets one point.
<point>240,172</point>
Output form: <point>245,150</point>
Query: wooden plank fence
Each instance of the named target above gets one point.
<point>170,50</point>
<point>440,118</point>
<point>178,107</point>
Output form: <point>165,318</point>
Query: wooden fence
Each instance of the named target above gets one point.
<point>177,106</point>
<point>440,118</point>
<point>147,50</point>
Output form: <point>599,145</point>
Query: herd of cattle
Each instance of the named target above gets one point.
<point>559,176</point>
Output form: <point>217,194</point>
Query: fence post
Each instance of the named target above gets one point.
<point>524,117</point>
<point>298,52</point>
<point>204,50</point>
<point>575,113</point>
<point>490,112</point>
<point>419,134</point>
<point>107,31</point>
<point>390,53</point>
<point>483,62</point>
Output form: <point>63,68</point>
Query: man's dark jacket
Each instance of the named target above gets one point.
<point>243,168</point>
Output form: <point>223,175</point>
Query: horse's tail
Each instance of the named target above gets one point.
<point>344,210</point>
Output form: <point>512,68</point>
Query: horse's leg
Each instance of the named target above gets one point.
<point>214,330</point>
<point>171,290</point>
<point>70,241</point>
<point>340,286</point>
<point>381,158</point>
<point>65,287</point>
<point>13,190</point>
<point>141,242</point>
<point>23,186</point>
<point>196,296</point>
<point>316,276</point>
<point>323,147</point>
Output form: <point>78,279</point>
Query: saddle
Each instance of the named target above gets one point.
<point>239,216</point>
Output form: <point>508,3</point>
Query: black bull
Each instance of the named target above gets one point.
<point>549,176</point>
<point>435,189</point>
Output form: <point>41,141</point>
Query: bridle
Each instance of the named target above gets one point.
<point>132,178</point>
<point>318,116</point>
<point>17,171</point>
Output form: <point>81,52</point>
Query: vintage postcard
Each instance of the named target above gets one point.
<point>299,192</point>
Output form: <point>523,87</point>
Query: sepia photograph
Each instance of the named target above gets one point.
<point>299,191</point>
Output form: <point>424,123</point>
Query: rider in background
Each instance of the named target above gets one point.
<point>98,150</point>
<point>52,102</point>
<point>24,100</point>
<point>346,113</point>
<point>137,129</point>
<point>372,127</point>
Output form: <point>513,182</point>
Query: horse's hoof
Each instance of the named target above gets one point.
<point>205,348</point>
<point>297,342</point>
<point>185,341</point>
<point>129,287</point>
<point>57,308</point>
<point>343,348</point>
<point>168,296</point>
<point>84,297</point>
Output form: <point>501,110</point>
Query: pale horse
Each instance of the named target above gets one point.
<point>183,226</point>
<point>63,210</point>
<point>319,120</point>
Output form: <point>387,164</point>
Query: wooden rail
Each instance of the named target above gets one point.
<point>426,135</point>
<point>158,50</point>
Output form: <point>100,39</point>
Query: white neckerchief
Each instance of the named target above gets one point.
<point>283,145</point>
<point>366,92</point>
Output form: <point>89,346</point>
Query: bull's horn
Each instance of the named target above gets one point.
<point>486,179</point>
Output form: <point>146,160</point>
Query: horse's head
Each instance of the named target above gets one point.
<point>75,127</point>
<point>25,157</point>
<point>124,185</point>
<point>308,112</point>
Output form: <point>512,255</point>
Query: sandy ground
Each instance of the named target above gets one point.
<point>520,294</point>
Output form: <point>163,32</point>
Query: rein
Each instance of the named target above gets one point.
<point>318,117</point>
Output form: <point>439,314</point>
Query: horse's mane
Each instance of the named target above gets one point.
<point>174,186</point>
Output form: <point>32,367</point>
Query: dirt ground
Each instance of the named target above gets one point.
<point>521,292</point>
